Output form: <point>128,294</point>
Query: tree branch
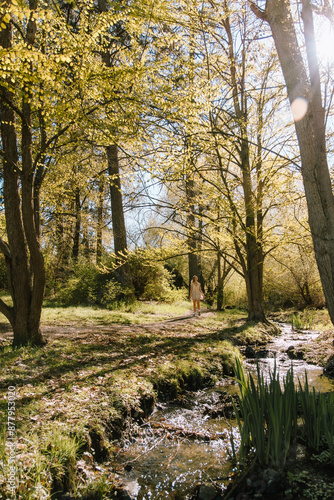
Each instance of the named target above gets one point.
<point>4,248</point>
<point>6,311</point>
<point>261,14</point>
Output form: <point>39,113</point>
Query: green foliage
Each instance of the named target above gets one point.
<point>304,320</point>
<point>114,293</point>
<point>102,488</point>
<point>269,416</point>
<point>82,287</point>
<point>92,284</point>
<point>61,451</point>
<point>150,279</point>
<point>304,485</point>
<point>318,420</point>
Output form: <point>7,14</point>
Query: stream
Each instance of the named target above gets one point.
<point>188,442</point>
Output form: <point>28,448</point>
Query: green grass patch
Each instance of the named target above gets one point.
<point>136,313</point>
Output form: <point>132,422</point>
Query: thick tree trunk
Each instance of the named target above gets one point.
<point>117,214</point>
<point>23,255</point>
<point>99,226</point>
<point>310,131</point>
<point>252,263</point>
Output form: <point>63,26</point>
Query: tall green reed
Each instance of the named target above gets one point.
<point>318,418</point>
<point>267,419</point>
<point>268,416</point>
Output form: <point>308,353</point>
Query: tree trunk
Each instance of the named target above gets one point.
<point>77,225</point>
<point>24,260</point>
<point>199,247</point>
<point>191,240</point>
<point>252,263</point>
<point>117,215</point>
<point>220,287</point>
<point>99,226</point>
<point>302,82</point>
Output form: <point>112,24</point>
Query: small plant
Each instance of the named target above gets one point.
<point>296,321</point>
<point>302,485</point>
<point>303,321</point>
<point>100,488</point>
<point>61,451</point>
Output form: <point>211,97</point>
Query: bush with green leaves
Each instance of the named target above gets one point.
<point>91,284</point>
<point>150,279</point>
<point>82,286</point>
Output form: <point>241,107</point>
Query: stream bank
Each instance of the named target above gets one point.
<point>185,452</point>
<point>94,388</point>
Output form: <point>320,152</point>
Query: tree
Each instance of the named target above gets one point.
<point>53,81</point>
<point>303,84</point>
<point>24,259</point>
<point>232,137</point>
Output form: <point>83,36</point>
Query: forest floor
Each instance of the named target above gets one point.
<point>77,396</point>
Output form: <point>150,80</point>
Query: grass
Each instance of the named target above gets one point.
<point>315,319</point>
<point>268,417</point>
<point>136,313</point>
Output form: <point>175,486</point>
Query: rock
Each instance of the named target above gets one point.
<point>293,353</point>
<point>273,480</point>
<point>329,368</point>
<point>207,492</point>
<point>122,494</point>
<point>250,352</point>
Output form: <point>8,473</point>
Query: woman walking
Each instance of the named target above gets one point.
<point>196,294</point>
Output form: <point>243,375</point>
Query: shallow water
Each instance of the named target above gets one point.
<point>275,353</point>
<point>169,462</point>
<point>161,462</point>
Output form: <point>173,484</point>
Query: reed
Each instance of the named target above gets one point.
<point>268,416</point>
<point>318,418</point>
<point>267,419</point>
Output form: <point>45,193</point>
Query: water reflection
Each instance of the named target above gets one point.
<point>170,462</point>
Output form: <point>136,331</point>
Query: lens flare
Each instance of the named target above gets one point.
<point>299,108</point>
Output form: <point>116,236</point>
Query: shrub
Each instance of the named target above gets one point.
<point>150,279</point>
<point>83,286</point>
<point>91,284</point>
